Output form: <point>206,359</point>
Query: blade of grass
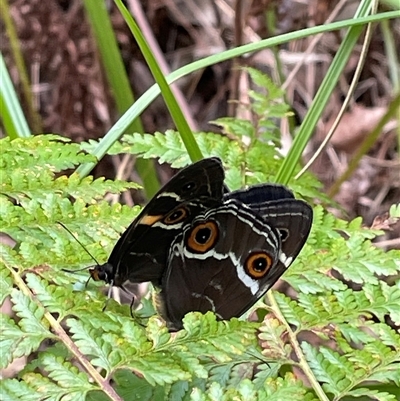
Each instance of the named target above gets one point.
<point>322,96</point>
<point>393,63</point>
<point>11,113</point>
<point>117,77</point>
<point>138,12</point>
<point>169,98</point>
<point>394,4</point>
<point>347,100</point>
<point>137,108</point>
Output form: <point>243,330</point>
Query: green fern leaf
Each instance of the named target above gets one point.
<point>386,334</point>
<point>33,325</point>
<point>10,337</point>
<point>344,292</point>
<point>131,387</point>
<point>273,390</point>
<point>91,343</point>
<point>205,328</point>
<point>373,395</point>
<point>69,379</point>
<point>333,370</point>
<point>394,210</point>
<point>30,164</point>
<point>34,226</point>
<point>384,300</point>
<point>17,340</point>
<point>236,127</point>
<point>14,389</point>
<point>222,373</point>
<point>56,299</point>
<point>6,282</point>
<point>168,147</point>
<point>41,150</point>
<point>272,335</point>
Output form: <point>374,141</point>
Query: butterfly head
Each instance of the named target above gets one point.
<point>103,272</point>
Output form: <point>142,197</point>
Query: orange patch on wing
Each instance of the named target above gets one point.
<point>149,220</point>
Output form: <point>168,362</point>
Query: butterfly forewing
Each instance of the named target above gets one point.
<point>141,252</point>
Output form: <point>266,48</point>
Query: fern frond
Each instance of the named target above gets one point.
<point>64,381</point>
<point>6,281</point>
<point>343,304</point>
<point>29,166</point>
<point>158,357</point>
<point>371,394</point>
<point>327,250</point>
<point>343,374</point>
<point>22,338</point>
<point>35,152</point>
<point>272,336</point>
<point>395,210</point>
<point>70,380</point>
<point>14,389</point>
<point>33,224</point>
<point>273,390</point>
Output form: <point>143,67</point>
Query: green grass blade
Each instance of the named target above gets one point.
<point>106,42</point>
<point>321,98</point>
<point>11,113</point>
<point>391,54</point>
<point>118,80</point>
<point>169,98</point>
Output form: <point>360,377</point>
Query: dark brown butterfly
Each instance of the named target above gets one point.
<point>208,249</point>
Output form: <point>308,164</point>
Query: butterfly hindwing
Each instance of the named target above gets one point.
<point>277,205</point>
<point>226,258</point>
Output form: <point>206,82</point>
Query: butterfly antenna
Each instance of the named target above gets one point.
<point>80,243</point>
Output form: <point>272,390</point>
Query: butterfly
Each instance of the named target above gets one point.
<point>208,249</point>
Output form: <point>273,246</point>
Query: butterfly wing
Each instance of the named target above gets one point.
<point>278,207</point>
<point>141,252</point>
<point>223,261</point>
<point>260,194</point>
<point>231,255</point>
